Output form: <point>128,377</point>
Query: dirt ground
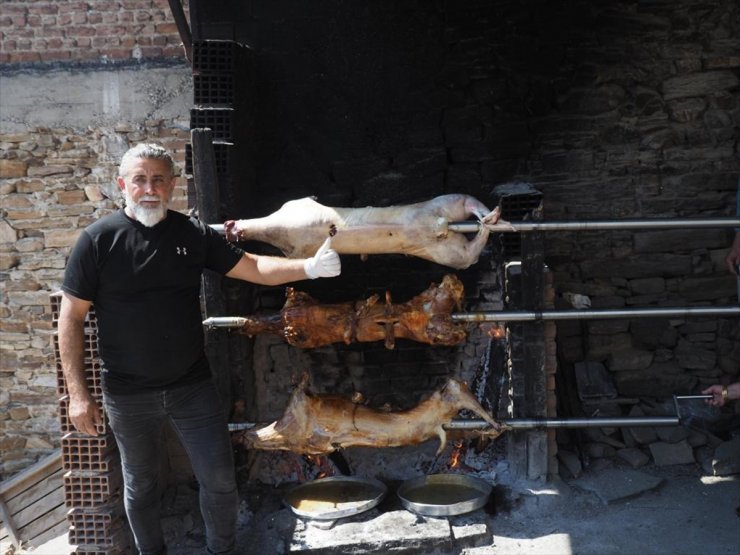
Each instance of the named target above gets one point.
<point>686,514</point>
<point>680,511</point>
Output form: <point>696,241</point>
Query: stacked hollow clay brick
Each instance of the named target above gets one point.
<point>92,479</point>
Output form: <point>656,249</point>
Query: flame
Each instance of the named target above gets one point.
<point>457,454</point>
<point>319,466</point>
<point>497,331</point>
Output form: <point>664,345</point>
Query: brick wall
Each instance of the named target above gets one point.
<point>100,30</point>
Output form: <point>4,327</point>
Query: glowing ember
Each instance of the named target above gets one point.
<point>497,331</point>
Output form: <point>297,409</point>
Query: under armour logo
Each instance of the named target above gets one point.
<point>182,250</point>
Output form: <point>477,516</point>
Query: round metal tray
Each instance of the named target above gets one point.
<point>335,497</point>
<point>444,494</point>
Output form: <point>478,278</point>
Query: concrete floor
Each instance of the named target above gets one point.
<point>665,510</point>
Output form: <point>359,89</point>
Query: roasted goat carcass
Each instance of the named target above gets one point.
<point>320,424</point>
<point>427,318</point>
<point>300,226</point>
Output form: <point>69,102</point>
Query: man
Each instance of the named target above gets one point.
<point>723,393</point>
<point>141,268</point>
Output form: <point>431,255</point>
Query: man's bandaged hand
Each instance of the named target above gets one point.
<point>325,263</point>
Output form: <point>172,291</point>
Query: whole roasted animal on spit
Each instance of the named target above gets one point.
<point>320,424</point>
<point>426,318</point>
<point>300,226</point>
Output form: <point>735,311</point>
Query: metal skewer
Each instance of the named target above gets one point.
<point>592,225</point>
<point>530,423</point>
<point>525,316</point>
<point>663,223</point>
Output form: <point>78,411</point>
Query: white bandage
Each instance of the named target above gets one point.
<point>325,263</point>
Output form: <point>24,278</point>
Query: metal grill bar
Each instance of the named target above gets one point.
<point>533,315</point>
<point>530,423</point>
<point>694,223</point>
<point>596,314</point>
<point>593,225</point>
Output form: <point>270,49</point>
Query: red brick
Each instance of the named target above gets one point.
<point>4,58</point>
<point>54,31</point>
<point>118,53</point>
<point>92,54</point>
<point>142,16</point>
<point>80,31</point>
<point>39,8</point>
<point>20,57</point>
<point>110,30</point>
<point>173,52</point>
<point>76,6</point>
<point>104,6</point>
<point>10,9</point>
<point>166,28</point>
<point>151,52</point>
<point>55,56</point>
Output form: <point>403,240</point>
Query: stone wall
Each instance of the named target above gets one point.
<point>59,149</point>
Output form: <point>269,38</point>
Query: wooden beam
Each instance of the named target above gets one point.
<point>34,473</point>
<point>9,524</point>
<point>208,203</point>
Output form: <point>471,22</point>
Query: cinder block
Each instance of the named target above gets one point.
<point>91,491</point>
<point>81,452</point>
<point>99,527</point>
<point>66,423</point>
<point>92,378</point>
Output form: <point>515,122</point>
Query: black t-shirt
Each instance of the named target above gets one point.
<point>145,284</point>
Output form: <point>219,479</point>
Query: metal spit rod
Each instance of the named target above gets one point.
<point>595,314</point>
<point>530,423</point>
<point>592,225</point>
<point>525,315</point>
<point>665,223</point>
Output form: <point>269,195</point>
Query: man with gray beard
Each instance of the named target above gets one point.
<point>141,268</point>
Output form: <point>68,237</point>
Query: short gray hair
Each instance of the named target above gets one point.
<point>146,151</point>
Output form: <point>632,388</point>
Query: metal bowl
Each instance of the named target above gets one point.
<point>444,494</point>
<point>335,497</point>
